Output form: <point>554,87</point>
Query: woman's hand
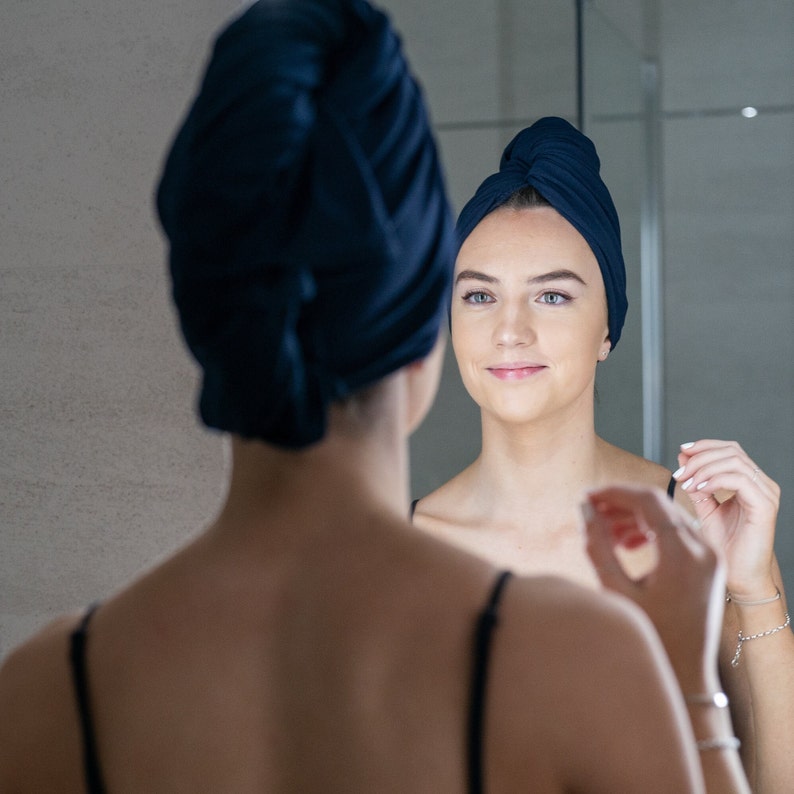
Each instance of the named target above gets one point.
<point>741,525</point>
<point>684,595</point>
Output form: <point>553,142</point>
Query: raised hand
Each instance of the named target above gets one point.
<point>684,594</point>
<point>737,505</point>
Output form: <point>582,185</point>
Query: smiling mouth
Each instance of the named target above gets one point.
<point>516,371</point>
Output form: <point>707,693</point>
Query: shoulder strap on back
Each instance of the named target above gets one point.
<point>79,639</point>
<point>482,644</point>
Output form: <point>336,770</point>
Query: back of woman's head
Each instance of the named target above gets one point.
<point>311,243</point>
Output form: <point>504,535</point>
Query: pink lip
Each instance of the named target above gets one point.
<point>518,370</point>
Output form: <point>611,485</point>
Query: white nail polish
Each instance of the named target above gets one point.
<point>702,485</point>
<point>678,473</point>
<point>688,445</point>
<point>689,482</point>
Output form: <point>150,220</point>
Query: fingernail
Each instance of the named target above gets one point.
<point>687,445</point>
<point>678,473</point>
<point>702,485</point>
<point>688,483</point>
<point>634,540</point>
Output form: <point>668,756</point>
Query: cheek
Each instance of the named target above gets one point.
<point>464,337</point>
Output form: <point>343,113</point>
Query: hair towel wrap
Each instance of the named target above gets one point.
<point>311,243</point>
<point>562,165</point>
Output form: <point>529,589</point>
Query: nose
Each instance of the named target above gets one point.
<point>514,326</point>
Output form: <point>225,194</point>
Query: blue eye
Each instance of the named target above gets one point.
<point>554,298</point>
<point>477,296</point>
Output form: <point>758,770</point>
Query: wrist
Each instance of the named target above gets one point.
<point>753,594</point>
<point>697,683</point>
<point>743,601</point>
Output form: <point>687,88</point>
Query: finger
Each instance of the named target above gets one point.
<point>601,550</point>
<point>659,514</point>
<point>707,444</point>
<point>729,477</point>
<point>646,505</point>
<point>698,472</point>
<point>702,453</point>
<point>705,503</point>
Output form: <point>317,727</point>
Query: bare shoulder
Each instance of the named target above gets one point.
<point>447,505</point>
<point>36,703</point>
<point>620,465</point>
<point>28,665</point>
<point>565,607</point>
<point>591,663</point>
<point>576,634</point>
<point>624,466</point>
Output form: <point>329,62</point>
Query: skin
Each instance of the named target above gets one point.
<point>517,504</point>
<point>528,293</point>
<point>311,640</point>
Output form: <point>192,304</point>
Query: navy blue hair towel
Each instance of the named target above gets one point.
<point>311,242</point>
<point>562,165</point>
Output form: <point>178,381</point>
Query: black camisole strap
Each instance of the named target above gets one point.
<point>79,639</point>
<point>486,622</point>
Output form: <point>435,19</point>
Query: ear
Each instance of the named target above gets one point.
<point>605,348</point>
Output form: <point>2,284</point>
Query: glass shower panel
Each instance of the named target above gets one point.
<point>613,103</point>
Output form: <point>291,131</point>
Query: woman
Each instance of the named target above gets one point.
<point>538,302</point>
<point>309,639</point>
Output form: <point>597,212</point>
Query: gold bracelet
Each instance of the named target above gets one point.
<point>768,633</point>
<point>730,597</point>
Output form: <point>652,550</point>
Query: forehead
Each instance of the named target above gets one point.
<point>531,240</point>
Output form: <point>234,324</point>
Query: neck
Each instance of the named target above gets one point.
<point>351,471</point>
<point>524,469</point>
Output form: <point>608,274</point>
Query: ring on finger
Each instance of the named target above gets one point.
<point>755,473</point>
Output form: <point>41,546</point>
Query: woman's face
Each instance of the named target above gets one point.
<point>529,315</point>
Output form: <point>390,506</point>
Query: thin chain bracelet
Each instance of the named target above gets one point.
<point>730,597</point>
<point>768,633</point>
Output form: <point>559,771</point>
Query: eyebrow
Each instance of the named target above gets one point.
<point>553,275</point>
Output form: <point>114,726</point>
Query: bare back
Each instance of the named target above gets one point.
<point>346,667</point>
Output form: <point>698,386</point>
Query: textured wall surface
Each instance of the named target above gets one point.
<point>99,444</point>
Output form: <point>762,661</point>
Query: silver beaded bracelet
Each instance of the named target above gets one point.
<point>717,699</point>
<point>728,743</point>
<point>768,633</point>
